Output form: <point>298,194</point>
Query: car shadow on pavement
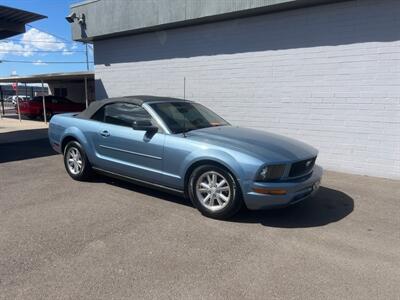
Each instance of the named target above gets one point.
<point>24,144</point>
<point>327,206</point>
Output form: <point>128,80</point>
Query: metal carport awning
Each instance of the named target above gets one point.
<point>37,78</point>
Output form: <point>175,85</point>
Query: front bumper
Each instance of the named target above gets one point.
<point>296,191</point>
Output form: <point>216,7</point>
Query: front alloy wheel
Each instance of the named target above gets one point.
<point>214,192</point>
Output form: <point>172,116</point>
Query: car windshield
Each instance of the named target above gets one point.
<point>186,116</point>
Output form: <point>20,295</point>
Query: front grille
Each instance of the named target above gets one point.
<point>302,167</point>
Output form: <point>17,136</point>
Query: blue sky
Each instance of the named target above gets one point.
<point>52,35</point>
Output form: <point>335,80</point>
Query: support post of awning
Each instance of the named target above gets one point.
<point>17,96</point>
<point>44,103</point>
<point>2,102</point>
<point>86,93</point>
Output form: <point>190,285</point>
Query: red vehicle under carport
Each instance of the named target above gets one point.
<point>77,86</point>
<point>54,105</point>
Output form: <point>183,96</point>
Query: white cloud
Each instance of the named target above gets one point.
<point>67,52</point>
<point>33,41</point>
<point>9,47</point>
<point>39,62</point>
<point>74,46</point>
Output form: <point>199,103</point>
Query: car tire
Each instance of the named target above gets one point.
<point>49,114</point>
<point>76,162</point>
<point>215,192</point>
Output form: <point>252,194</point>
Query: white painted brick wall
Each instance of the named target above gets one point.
<point>328,75</point>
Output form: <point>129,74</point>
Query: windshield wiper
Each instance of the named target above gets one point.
<point>202,127</point>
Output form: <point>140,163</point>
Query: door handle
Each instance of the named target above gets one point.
<point>105,133</point>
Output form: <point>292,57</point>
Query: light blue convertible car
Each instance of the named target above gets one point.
<point>183,147</point>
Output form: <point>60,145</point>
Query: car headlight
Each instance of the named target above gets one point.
<point>271,172</point>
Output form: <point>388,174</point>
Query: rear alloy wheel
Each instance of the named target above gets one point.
<point>214,192</point>
<point>76,162</point>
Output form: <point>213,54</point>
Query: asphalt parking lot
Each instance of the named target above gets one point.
<point>106,239</point>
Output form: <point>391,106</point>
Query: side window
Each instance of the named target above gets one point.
<point>49,99</point>
<point>122,114</point>
<point>61,92</point>
<point>99,115</point>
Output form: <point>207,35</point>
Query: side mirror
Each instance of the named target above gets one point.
<point>145,125</point>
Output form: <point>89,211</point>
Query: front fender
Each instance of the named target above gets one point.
<point>241,166</point>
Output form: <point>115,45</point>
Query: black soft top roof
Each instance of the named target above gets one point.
<point>138,100</point>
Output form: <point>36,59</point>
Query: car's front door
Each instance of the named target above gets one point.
<point>123,150</point>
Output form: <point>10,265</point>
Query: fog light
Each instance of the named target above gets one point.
<point>270,191</point>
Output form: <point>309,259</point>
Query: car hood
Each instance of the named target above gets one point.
<point>266,146</point>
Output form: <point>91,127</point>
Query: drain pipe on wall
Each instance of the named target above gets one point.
<point>86,93</point>
<point>184,88</point>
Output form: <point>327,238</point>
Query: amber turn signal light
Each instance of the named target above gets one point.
<point>270,191</point>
